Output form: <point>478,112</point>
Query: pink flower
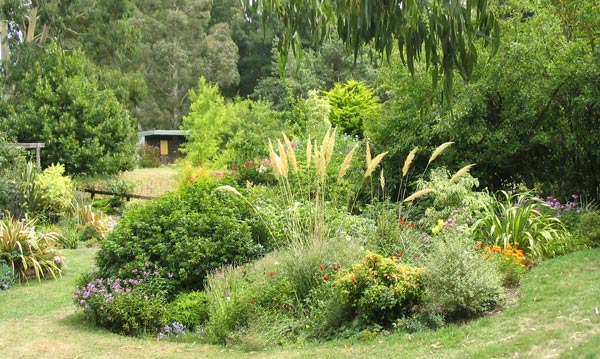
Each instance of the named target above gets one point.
<point>248,163</point>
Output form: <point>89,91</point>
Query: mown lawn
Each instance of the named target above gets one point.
<point>555,317</point>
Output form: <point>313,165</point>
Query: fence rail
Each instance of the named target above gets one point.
<point>127,196</point>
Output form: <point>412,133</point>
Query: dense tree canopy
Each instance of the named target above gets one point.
<point>59,102</point>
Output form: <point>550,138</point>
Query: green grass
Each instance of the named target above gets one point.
<point>554,317</point>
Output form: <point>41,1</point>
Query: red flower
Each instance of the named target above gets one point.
<point>248,163</point>
<point>321,267</point>
<point>252,301</point>
<point>402,221</point>
<point>326,277</point>
<point>271,274</point>
<point>399,254</point>
<point>411,225</point>
<point>234,168</point>
<point>336,267</point>
<point>479,245</point>
<point>353,280</point>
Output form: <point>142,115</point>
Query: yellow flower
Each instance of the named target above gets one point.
<point>436,230</point>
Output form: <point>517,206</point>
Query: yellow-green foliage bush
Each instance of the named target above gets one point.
<point>55,190</point>
<point>379,290</point>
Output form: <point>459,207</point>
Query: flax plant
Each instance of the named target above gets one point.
<point>516,220</point>
<point>26,251</point>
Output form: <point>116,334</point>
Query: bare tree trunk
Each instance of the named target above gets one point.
<point>31,25</point>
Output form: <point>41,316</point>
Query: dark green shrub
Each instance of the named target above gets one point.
<point>189,309</point>
<point>589,227</point>
<point>380,290</point>
<point>186,233</point>
<point>461,283</point>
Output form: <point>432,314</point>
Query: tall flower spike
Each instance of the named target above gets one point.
<point>461,172</point>
<point>374,163</point>
<point>329,148</point>
<point>346,164</point>
<point>284,159</point>
<point>439,150</point>
<point>408,160</point>
<point>291,154</point>
<point>382,180</point>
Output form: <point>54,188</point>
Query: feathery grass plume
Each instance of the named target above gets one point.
<point>408,160</point>
<point>461,172</point>
<point>308,152</point>
<point>382,180</point>
<point>284,159</point>
<point>418,194</point>
<point>374,163</point>
<point>346,164</point>
<point>329,147</point>
<point>275,162</point>
<point>438,151</point>
<point>290,153</point>
<point>229,189</point>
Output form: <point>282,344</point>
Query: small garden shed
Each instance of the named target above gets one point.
<point>167,141</point>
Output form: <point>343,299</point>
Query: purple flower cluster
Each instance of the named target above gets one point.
<point>554,203</point>
<point>101,291</point>
<point>174,329</point>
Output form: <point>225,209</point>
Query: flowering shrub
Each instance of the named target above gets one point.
<point>128,306</point>
<point>174,329</point>
<point>510,261</point>
<point>379,290</point>
<point>568,212</point>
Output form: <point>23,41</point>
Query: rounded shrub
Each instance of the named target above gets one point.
<point>379,290</point>
<point>189,309</point>
<point>461,283</point>
<point>186,233</point>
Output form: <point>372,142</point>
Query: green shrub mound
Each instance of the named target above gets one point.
<point>186,233</point>
<point>189,309</point>
<point>461,283</point>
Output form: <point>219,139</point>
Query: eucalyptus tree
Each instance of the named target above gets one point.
<point>177,48</point>
<point>441,32</point>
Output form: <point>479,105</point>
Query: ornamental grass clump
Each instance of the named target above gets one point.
<point>27,252</point>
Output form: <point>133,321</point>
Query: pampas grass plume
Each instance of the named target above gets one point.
<point>438,151</point>
<point>408,160</point>
<point>418,194</point>
<point>461,172</point>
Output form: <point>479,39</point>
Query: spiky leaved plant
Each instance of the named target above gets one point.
<point>26,251</point>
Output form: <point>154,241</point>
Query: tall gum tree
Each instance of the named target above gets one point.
<point>442,32</point>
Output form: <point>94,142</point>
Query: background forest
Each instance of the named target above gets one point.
<point>528,115</point>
